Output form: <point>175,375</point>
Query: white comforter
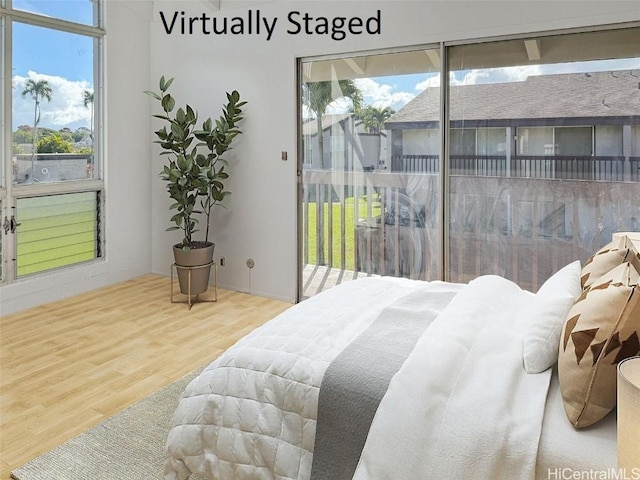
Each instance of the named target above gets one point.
<point>251,413</point>
<point>460,407</point>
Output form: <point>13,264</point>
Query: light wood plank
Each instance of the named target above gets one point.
<point>68,365</point>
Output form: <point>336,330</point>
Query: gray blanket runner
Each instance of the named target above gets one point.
<point>355,382</point>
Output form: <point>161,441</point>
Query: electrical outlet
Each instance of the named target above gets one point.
<point>222,261</point>
<point>250,263</point>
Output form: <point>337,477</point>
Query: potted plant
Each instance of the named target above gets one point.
<point>195,176</point>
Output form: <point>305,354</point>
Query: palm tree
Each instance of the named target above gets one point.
<point>87,99</point>
<point>373,119</point>
<point>318,96</point>
<point>38,90</point>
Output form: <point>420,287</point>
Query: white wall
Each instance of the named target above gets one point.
<point>260,221</point>
<point>128,154</point>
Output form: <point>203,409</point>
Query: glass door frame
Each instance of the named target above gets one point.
<point>440,241</point>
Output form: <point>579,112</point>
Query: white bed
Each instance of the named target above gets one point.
<point>460,405</point>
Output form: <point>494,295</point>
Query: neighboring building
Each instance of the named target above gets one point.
<point>551,132</point>
<point>347,144</point>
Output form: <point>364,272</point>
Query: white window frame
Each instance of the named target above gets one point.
<point>9,192</point>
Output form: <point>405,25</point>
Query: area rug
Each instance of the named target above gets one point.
<point>129,445</point>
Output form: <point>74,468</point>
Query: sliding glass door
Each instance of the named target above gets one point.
<point>367,209</point>
<point>538,165</point>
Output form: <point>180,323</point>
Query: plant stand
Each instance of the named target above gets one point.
<point>189,300</point>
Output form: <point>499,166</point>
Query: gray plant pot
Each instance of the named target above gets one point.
<point>198,259</point>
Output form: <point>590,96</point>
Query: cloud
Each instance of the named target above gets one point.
<point>482,76</point>
<point>374,93</point>
<point>66,108</point>
<point>496,75</point>
<point>340,105</point>
<point>522,72</point>
<point>382,94</point>
<point>429,82</point>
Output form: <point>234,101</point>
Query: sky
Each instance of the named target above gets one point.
<point>70,70</point>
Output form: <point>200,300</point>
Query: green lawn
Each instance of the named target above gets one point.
<point>350,222</point>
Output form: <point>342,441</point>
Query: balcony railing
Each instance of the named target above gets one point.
<point>567,167</point>
<point>525,229</point>
<point>52,167</point>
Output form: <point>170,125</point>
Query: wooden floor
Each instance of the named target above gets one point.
<point>66,366</point>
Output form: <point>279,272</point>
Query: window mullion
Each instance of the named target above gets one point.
<point>445,164</point>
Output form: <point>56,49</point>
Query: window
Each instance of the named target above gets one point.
<point>535,141</point>
<point>463,141</point>
<point>52,167</point>
<point>554,141</point>
<point>573,141</point>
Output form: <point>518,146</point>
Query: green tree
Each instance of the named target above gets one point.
<point>45,132</point>
<point>87,101</point>
<point>38,90</point>
<point>373,118</point>
<point>317,96</point>
<point>24,134</point>
<point>84,150</point>
<point>54,144</point>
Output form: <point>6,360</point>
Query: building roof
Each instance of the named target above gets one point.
<point>601,94</point>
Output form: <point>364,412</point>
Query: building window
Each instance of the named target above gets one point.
<point>52,160</point>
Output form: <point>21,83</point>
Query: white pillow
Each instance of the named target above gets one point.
<point>545,315</point>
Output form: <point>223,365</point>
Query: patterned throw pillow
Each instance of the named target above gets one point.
<point>607,258</point>
<point>602,328</point>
